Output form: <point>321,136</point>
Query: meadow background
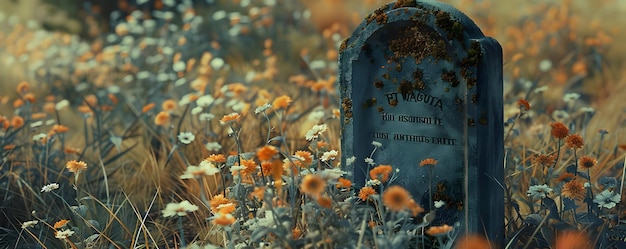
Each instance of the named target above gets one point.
<point>141,96</point>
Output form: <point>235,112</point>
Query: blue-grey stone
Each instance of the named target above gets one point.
<point>421,79</point>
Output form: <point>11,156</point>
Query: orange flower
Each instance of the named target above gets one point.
<point>574,190</point>
<point>60,224</point>
<point>572,240</point>
<point>38,115</point>
<point>396,198</point>
<point>230,118</point>
<point>250,167</point>
<point>559,130</point>
<point>428,161</point>
<point>216,158</point>
<point>544,159</point>
<point>438,230</point>
<point>312,185</point>
<point>587,162</point>
<point>113,98</point>
<point>17,103</point>
<point>523,105</point>
<point>381,172</point>
<point>296,232</point>
<point>216,201</point>
<point>91,100</point>
<point>266,152</point>
<point>281,102</point>
<point>259,193</point>
<point>277,170</point>
<point>473,241</point>
<point>168,105</point>
<point>147,107</point>
<point>9,147</point>
<point>365,193</point>
<point>17,122</point>
<point>415,208</point>
<point>266,168</point>
<point>75,166</point>
<point>343,183</point>
<point>224,219</point>
<point>23,87</point>
<point>574,141</point>
<point>325,201</point>
<point>29,97</point>
<point>565,177</point>
<point>57,128</point>
<point>162,118</point>
<point>227,208</point>
<point>71,150</point>
<point>49,107</point>
<point>306,156</point>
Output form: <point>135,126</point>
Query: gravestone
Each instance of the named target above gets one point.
<point>420,78</point>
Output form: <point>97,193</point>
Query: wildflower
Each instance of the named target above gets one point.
<point>570,97</point>
<point>224,219</point>
<point>381,172</point>
<point>543,159</point>
<point>186,137</point>
<point>350,160</point>
<point>180,209</point>
<point>415,208</point>
<point>560,115</point>
<point>312,185</point>
<point>162,118</point>
<point>205,168</point>
<point>40,136</point>
<point>230,118</point>
<point>586,162</point>
<point>213,146</point>
<point>262,108</point>
<point>9,147</point>
<point>428,161</point>
<point>216,201</point>
<point>574,141</point>
<point>281,102</point>
<point>439,204</point>
<point>315,131</point>
<point>523,105</point>
<point>258,193</point>
<point>235,169</point>
<point>473,241</point>
<point>227,208</point>
<point>216,158</point>
<point>343,183</point>
<point>325,201</point>
<point>540,89</point>
<point>23,87</point>
<point>573,190</point>
<point>372,182</point>
<point>607,199</point>
<point>196,110</point>
<point>306,158</point>
<point>572,239</point>
<point>266,152</point>
<point>205,101</point>
<point>365,193</point>
<point>249,167</point>
<point>206,117</point>
<point>147,107</point>
<point>377,144</point>
<point>168,105</point>
<point>566,177</point>
<point>30,223</point>
<point>370,161</point>
<point>61,224</point>
<point>63,234</point>
<point>61,104</point>
<point>75,166</point>
<point>17,122</point>
<point>329,155</point>
<point>49,187</point>
<point>332,174</point>
<point>559,130</point>
<point>438,230</point>
<point>296,232</point>
<point>540,191</point>
<point>57,128</point>
<point>396,198</point>
<point>545,65</point>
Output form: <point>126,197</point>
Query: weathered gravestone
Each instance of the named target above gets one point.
<point>420,78</point>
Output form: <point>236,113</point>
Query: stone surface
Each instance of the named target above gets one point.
<point>421,79</point>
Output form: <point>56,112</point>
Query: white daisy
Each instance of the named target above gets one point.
<point>186,137</point>
<point>540,191</point>
<point>213,146</point>
<point>30,223</point>
<point>63,234</point>
<point>315,131</point>
<point>179,209</point>
<point>49,187</point>
<point>370,161</point>
<point>607,199</point>
<point>329,155</point>
<point>262,108</point>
